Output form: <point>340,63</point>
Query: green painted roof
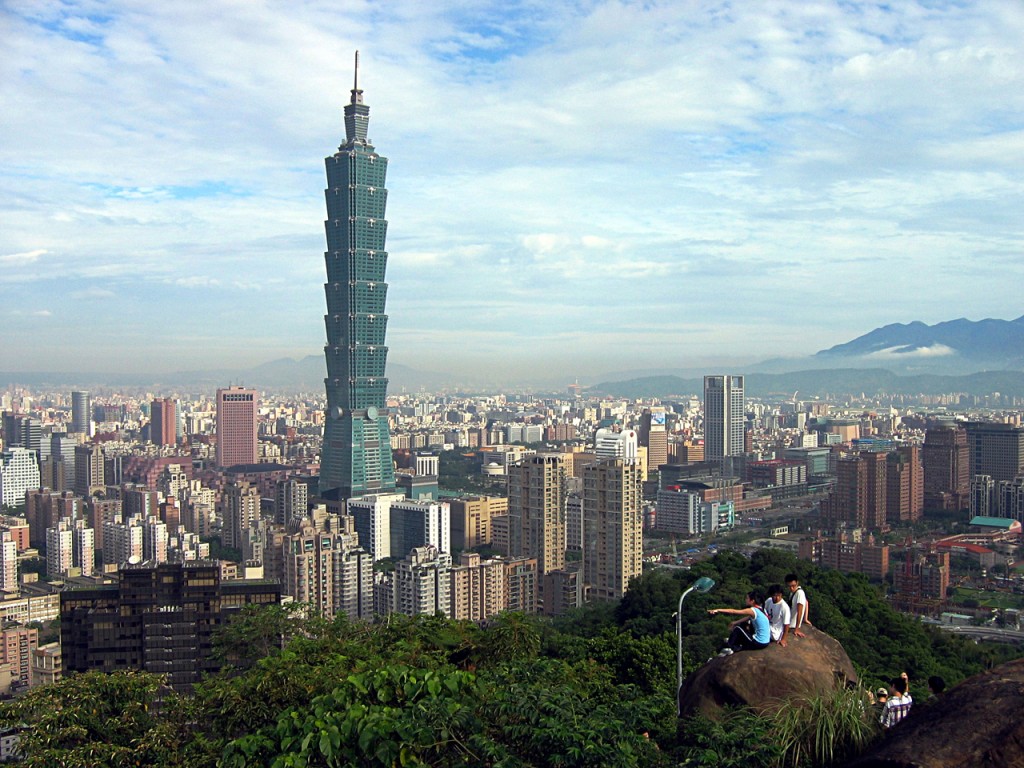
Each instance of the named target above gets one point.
<point>992,522</point>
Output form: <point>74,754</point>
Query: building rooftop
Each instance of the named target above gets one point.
<point>1004,523</point>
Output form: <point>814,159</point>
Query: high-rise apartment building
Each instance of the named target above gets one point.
<point>154,540</point>
<point>122,542</point>
<point>422,583</point>
<point>904,495</point>
<point>328,571</point>
<point>724,417</point>
<point>291,499</point>
<point>947,471</point>
<point>477,588</point>
<point>236,426</point>
<point>16,647</point>
<point>83,547</point>
<point>59,552</point>
<point>612,527</point>
<point>536,508</point>
<point>240,508</point>
<point>8,563</point>
<point>81,413</point>
<point>163,421</point>
<point>356,455</point>
<point>859,497</point>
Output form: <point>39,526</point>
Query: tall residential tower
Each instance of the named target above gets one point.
<point>356,455</point>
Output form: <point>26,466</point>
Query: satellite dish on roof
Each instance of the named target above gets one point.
<point>134,560</point>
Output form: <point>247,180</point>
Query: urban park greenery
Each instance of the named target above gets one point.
<point>593,688</point>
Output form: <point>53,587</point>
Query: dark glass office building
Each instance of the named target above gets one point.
<point>356,455</point>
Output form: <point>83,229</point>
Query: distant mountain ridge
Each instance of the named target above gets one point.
<point>992,340</point>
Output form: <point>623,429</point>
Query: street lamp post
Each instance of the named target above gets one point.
<point>703,584</point>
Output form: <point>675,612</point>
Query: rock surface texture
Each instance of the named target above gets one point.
<point>759,678</point>
<point>976,724</point>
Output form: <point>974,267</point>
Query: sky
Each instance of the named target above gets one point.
<point>574,187</point>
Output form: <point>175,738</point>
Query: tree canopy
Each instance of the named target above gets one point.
<point>593,688</point>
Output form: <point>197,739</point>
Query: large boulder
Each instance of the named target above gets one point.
<point>977,723</point>
<point>758,679</point>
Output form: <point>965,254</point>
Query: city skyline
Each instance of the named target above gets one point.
<point>582,188</point>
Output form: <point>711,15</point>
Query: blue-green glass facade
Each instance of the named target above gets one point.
<point>356,455</point>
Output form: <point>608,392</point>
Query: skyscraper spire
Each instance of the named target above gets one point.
<point>357,114</point>
<point>357,95</point>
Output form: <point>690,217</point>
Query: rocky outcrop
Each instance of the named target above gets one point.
<point>977,723</point>
<point>759,679</point>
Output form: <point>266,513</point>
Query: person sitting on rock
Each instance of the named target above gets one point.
<point>778,615</point>
<point>898,705</point>
<point>752,631</point>
<point>799,611</point>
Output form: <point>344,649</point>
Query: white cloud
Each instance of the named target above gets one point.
<point>26,257</point>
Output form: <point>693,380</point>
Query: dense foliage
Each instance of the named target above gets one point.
<point>595,688</point>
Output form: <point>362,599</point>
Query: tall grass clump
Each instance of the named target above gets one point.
<point>822,729</point>
<point>816,730</point>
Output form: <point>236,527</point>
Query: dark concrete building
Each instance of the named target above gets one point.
<point>157,618</point>
<point>996,449</point>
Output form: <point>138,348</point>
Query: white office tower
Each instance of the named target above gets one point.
<point>419,524</point>
<point>8,563</point>
<point>724,417</point>
<point>59,551</point>
<point>122,542</point>
<point>372,516</point>
<point>19,471</point>
<point>612,526</point>
<point>422,583</point>
<point>609,444</point>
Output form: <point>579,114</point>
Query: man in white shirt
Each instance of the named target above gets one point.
<point>798,613</point>
<point>778,615</point>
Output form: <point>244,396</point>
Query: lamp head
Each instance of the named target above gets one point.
<point>704,584</point>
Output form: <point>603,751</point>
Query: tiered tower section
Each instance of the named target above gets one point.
<point>356,455</point>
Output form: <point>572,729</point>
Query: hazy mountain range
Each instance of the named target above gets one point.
<point>910,358</point>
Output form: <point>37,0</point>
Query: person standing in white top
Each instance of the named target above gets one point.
<point>798,614</point>
<point>778,615</point>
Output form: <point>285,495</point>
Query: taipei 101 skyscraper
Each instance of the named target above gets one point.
<point>356,454</point>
